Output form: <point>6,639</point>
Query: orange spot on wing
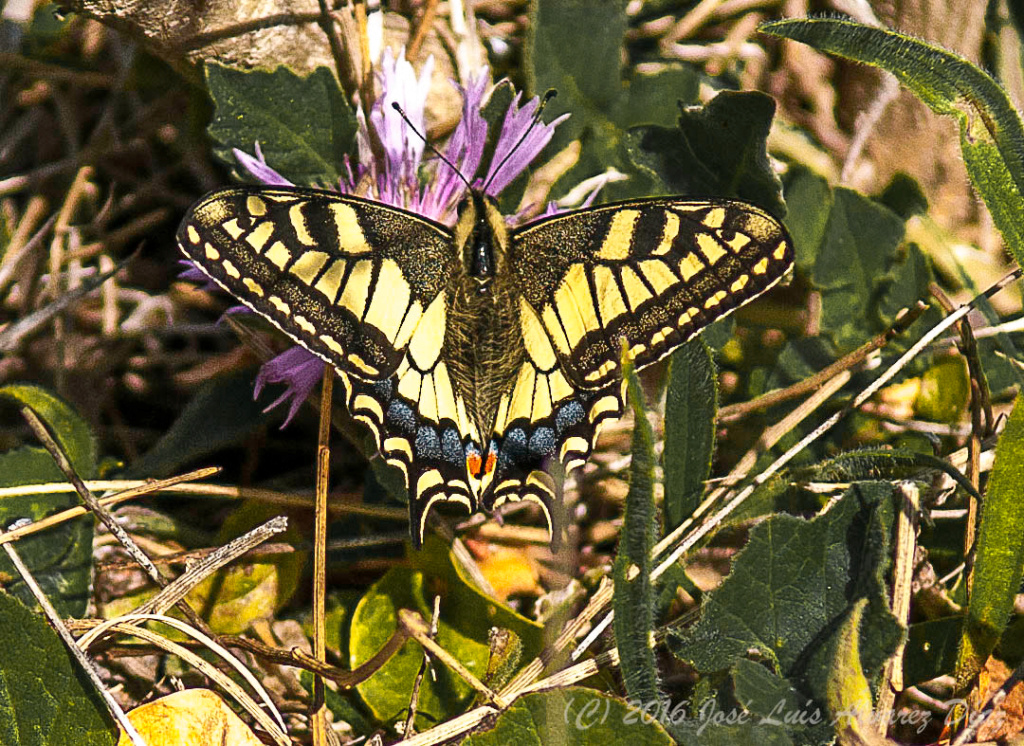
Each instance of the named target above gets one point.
<point>473,462</point>
<point>491,461</point>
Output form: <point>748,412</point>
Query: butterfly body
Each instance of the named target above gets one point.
<point>479,356</point>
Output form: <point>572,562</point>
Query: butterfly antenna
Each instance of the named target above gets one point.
<point>550,94</point>
<point>435,151</point>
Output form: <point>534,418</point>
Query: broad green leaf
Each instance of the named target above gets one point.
<point>776,705</point>
<point>45,699</point>
<point>60,558</point>
<point>66,426</point>
<point>906,283</point>
<point>991,134</point>
<point>904,196</point>
<point>466,617</point>
<point>221,413</point>
<point>691,404</point>
<point>303,125</point>
<point>999,557</point>
<point>719,149</point>
<point>791,587</point>
<point>633,599</point>
<point>859,241</point>
<point>574,716</point>
<point>809,202</point>
<point>575,47</point>
<point>387,693</point>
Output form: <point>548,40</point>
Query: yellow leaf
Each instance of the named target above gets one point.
<point>193,717</point>
<point>509,572</point>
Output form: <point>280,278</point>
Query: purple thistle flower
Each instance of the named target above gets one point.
<point>400,179</point>
<point>300,371</point>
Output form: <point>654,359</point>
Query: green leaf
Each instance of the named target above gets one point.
<point>904,196</point>
<point>574,716</point>
<point>60,558</point>
<point>303,125</point>
<point>466,617</point>
<point>575,47</point>
<point>45,698</point>
<point>999,557</point>
<point>776,705</point>
<point>691,404</point>
<point>945,391</point>
<point>859,242</point>
<point>719,149</point>
<point>67,428</point>
<point>388,692</point>
<point>809,199</point>
<point>633,599</point>
<point>991,134</point>
<point>803,578</point>
<point>849,694</point>
<point>342,708</point>
<point>931,649</point>
<point>220,414</point>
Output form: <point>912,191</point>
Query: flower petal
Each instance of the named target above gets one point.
<point>464,150</point>
<point>521,138</point>
<point>297,368</point>
<point>258,167</point>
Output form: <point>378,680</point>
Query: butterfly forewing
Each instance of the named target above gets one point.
<point>651,273</point>
<point>348,279</point>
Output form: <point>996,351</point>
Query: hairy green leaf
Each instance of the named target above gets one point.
<point>999,557</point>
<point>991,134</point>
<point>691,403</point>
<point>304,125</point>
<point>60,558</point>
<point>633,601</point>
<point>792,586</point>
<point>45,698</point>
<point>574,47</point>
<point>573,716</point>
<point>719,149</point>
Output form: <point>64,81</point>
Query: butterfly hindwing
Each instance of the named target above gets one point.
<point>349,279</point>
<point>651,273</point>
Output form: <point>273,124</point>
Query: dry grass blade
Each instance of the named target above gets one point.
<point>130,489</point>
<point>127,624</point>
<point>199,571</point>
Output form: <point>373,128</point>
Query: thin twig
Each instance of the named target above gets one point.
<point>414,700</point>
<point>423,26</point>
<point>197,572</point>
<point>318,714</point>
<point>418,629</point>
<point>846,362</point>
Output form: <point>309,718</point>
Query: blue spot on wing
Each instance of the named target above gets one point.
<point>542,442</point>
<point>428,445</point>
<point>451,445</point>
<point>569,415</point>
<point>402,416</point>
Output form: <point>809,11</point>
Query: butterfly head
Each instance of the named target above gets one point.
<point>482,236</point>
